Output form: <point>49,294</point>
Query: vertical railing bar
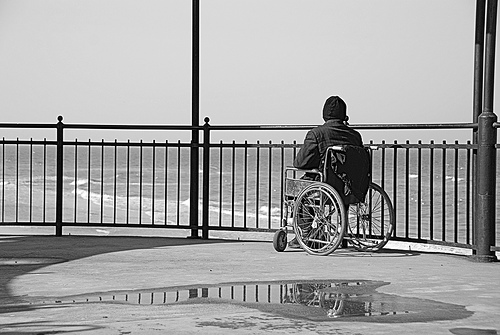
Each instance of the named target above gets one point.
<point>128,183</point>
<point>178,181</point>
<point>383,167</point>
<point>294,175</point>
<point>44,179</point>
<point>205,220</point>
<point>115,173</point>
<point>17,180</point>
<point>270,188</point>
<point>382,182</point>
<point>166,182</point>
<point>31,180</point>
<point>3,180</point>
<point>75,180</point>
<point>431,191</point>
<point>153,186</point>
<point>455,226</point>
<point>407,191</point>
<point>443,194</point>
<point>102,181</point>
<point>369,195</point>
<point>233,172</point>
<point>468,195</point>
<point>59,175</point>
<point>245,185</point>
<point>140,181</point>
<point>282,177</point>
<point>419,191</point>
<point>370,205</point>
<point>89,181</point>
<point>395,183</point>
<point>221,171</point>
<point>257,186</point>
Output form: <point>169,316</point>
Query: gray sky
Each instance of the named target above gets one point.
<point>262,61</point>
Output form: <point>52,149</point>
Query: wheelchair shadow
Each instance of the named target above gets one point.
<point>351,252</point>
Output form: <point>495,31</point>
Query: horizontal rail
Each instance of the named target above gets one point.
<point>28,125</point>
<point>356,126</point>
<point>394,126</point>
<point>131,127</point>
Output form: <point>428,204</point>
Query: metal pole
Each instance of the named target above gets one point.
<point>195,137</point>
<point>59,175</point>
<point>487,138</point>
<point>478,61</point>
<point>478,95</point>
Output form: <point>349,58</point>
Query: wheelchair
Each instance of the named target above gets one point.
<point>323,220</point>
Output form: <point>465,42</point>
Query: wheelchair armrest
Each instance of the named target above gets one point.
<point>312,171</point>
<point>291,169</point>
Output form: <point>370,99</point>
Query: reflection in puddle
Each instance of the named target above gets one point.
<point>313,300</point>
<point>29,260</point>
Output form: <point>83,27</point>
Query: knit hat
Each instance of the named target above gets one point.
<point>334,109</point>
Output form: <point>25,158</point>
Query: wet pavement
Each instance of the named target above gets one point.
<point>90,284</point>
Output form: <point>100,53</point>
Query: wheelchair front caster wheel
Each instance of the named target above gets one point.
<point>279,241</point>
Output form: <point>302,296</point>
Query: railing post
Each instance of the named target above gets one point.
<point>194,187</point>
<point>486,155</point>
<point>206,178</point>
<point>486,184</point>
<point>59,175</point>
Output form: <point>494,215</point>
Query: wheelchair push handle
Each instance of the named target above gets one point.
<point>343,147</point>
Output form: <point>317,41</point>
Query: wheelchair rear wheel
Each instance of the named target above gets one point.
<point>319,219</point>
<point>371,223</point>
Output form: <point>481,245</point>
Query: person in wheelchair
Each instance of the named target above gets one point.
<point>312,155</point>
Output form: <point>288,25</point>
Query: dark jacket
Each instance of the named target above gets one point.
<point>351,178</point>
<point>332,132</point>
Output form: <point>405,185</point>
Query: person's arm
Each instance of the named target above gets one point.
<point>308,156</point>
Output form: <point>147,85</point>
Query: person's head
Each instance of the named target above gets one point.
<point>335,109</point>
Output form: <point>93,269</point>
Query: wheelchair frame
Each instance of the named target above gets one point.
<point>320,220</point>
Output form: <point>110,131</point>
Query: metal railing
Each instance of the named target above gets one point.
<point>148,183</point>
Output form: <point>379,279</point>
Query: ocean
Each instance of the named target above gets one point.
<point>150,185</point>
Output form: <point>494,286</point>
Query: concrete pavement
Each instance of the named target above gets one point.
<point>64,284</point>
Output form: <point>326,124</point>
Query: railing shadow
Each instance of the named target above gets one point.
<point>23,254</point>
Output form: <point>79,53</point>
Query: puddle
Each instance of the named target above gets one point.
<point>342,300</point>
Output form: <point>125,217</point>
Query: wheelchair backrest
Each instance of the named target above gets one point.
<point>348,169</point>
